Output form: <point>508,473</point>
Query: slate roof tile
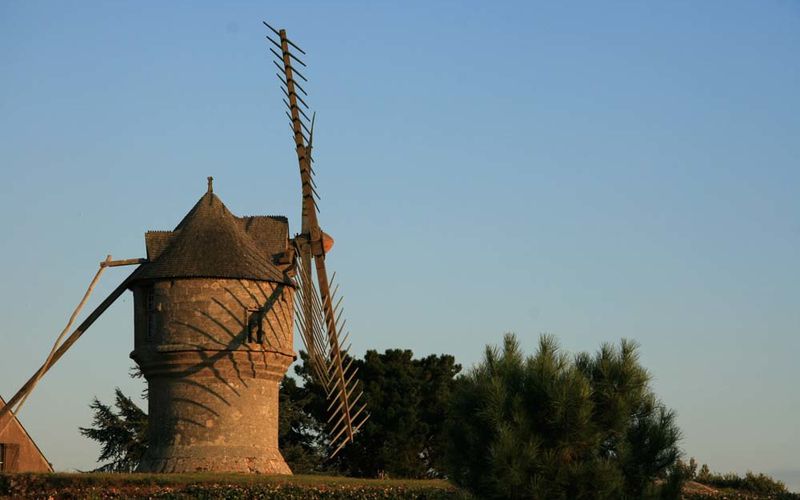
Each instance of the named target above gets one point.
<point>211,242</point>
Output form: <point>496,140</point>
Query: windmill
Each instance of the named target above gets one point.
<point>318,311</point>
<point>214,306</point>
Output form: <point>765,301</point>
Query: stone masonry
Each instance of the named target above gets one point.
<point>213,317</point>
<point>213,396</point>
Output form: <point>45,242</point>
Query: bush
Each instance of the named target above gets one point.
<point>754,483</point>
<point>554,427</point>
<point>68,486</point>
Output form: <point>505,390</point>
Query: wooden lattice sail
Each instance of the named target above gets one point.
<point>318,308</point>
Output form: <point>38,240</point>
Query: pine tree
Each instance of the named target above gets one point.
<point>552,426</point>
<point>122,433</point>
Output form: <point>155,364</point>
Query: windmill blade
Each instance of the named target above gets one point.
<point>318,310</point>
<point>312,333</point>
<point>310,323</point>
<point>332,367</point>
<point>344,382</point>
<point>283,36</point>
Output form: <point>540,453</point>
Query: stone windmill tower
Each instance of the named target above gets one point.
<point>213,314</point>
<point>215,302</point>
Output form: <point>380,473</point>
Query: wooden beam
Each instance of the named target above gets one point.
<point>69,342</point>
<point>66,330</point>
<point>125,262</point>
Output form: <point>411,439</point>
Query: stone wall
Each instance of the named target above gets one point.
<point>213,353</point>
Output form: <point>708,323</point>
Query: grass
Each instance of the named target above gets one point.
<point>217,485</point>
<point>111,478</point>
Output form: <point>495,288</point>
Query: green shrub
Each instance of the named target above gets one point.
<point>208,485</point>
<point>751,482</point>
<point>554,427</point>
<point>236,492</point>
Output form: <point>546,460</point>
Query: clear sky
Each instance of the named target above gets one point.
<point>595,170</point>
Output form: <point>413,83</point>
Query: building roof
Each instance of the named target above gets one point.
<point>211,242</point>
<point>28,458</point>
<point>270,232</point>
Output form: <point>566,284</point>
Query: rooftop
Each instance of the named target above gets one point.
<point>211,242</point>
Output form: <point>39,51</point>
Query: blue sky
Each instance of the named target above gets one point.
<point>595,170</point>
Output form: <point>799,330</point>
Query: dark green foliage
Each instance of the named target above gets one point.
<point>554,427</point>
<point>406,399</point>
<point>672,482</point>
<point>650,445</point>
<point>122,433</point>
<point>300,435</point>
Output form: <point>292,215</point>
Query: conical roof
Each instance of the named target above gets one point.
<point>210,242</point>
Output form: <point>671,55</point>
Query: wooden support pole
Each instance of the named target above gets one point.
<point>309,223</point>
<point>125,262</point>
<point>69,342</point>
<point>66,329</point>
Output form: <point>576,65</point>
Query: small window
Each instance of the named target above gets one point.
<point>255,330</point>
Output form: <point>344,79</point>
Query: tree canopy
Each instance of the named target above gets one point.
<point>407,401</point>
<point>552,426</point>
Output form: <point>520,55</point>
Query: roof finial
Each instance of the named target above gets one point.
<point>210,184</point>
